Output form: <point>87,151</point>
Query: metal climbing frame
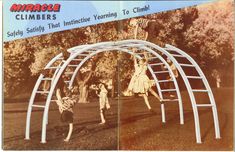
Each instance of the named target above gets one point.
<point>81,54</point>
<point>154,73</point>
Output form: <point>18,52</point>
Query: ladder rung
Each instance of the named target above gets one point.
<point>170,100</point>
<point>77,59</point>
<point>161,72</point>
<point>54,67</point>
<point>38,106</point>
<point>82,54</point>
<point>61,58</point>
<point>66,81</point>
<point>204,105</point>
<point>196,90</point>
<point>177,55</point>
<point>72,65</point>
<point>53,100</point>
<point>142,53</point>
<point>165,80</point>
<point>42,92</point>
<point>89,51</point>
<point>154,64</point>
<point>194,77</point>
<point>187,65</point>
<point>68,72</point>
<point>152,58</point>
<point>169,49</point>
<point>46,78</point>
<point>168,90</point>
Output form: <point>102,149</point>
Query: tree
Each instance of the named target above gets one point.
<point>212,35</point>
<point>171,26</point>
<point>17,57</point>
<point>38,50</point>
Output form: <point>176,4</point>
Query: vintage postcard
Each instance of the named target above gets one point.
<point>118,75</point>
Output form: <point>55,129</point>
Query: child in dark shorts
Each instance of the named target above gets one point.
<point>67,116</point>
<point>65,104</point>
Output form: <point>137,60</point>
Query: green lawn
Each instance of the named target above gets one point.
<point>131,127</point>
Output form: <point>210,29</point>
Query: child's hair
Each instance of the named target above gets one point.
<point>105,86</point>
<point>133,22</point>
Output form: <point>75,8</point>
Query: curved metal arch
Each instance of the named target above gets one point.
<point>188,86</point>
<point>151,71</point>
<point>39,80</point>
<point>146,45</point>
<point>52,88</point>
<point>74,55</point>
<point>210,93</point>
<point>31,100</point>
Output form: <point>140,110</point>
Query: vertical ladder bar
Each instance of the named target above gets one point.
<point>29,111</point>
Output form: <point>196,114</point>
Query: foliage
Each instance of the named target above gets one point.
<point>17,56</point>
<point>204,32</point>
<point>212,34</point>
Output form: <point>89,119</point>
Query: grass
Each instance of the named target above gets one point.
<point>130,126</point>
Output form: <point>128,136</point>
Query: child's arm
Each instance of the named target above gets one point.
<point>146,35</point>
<point>136,31</point>
<point>146,57</point>
<point>135,60</point>
<point>97,93</point>
<point>59,100</point>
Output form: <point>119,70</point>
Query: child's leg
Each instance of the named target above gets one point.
<point>155,94</point>
<point>146,101</point>
<point>70,132</point>
<point>107,105</point>
<point>102,116</point>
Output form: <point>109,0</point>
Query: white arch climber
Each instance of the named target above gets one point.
<point>191,91</point>
<point>163,62</point>
<point>128,51</point>
<point>120,48</point>
<point>150,47</point>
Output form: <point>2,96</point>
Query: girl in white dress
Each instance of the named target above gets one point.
<point>140,83</point>
<point>104,102</point>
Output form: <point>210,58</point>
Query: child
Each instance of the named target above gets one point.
<point>104,102</point>
<point>65,104</point>
<point>140,82</point>
<point>150,27</point>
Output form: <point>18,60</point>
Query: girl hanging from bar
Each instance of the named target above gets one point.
<point>140,83</point>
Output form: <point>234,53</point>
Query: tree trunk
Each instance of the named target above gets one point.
<point>83,96</point>
<point>113,88</point>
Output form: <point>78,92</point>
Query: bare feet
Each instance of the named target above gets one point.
<point>66,140</point>
<point>101,123</point>
<point>152,111</point>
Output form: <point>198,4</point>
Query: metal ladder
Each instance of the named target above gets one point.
<point>157,61</point>
<point>191,91</point>
<point>177,53</point>
<point>37,90</point>
<point>50,66</point>
<point>157,51</point>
